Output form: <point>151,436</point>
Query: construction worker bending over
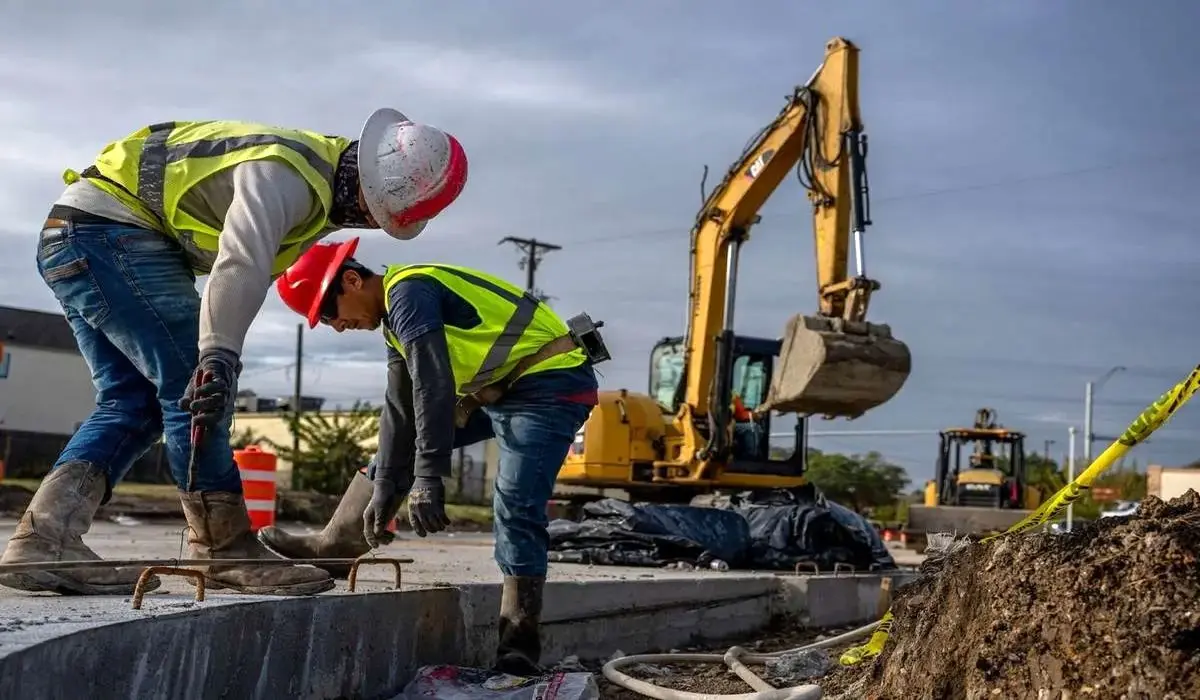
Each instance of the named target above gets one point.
<point>470,357</point>
<point>121,249</point>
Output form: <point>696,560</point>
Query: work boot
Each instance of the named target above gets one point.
<point>520,645</point>
<point>342,537</point>
<point>219,528</point>
<point>52,529</point>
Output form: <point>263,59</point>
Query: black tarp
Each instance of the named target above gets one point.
<point>761,530</point>
<point>622,533</point>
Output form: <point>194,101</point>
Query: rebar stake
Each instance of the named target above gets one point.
<point>139,588</point>
<point>368,559</point>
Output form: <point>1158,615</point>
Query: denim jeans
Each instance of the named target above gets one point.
<point>130,298</point>
<point>533,438</point>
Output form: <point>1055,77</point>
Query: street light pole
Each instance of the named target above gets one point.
<point>1088,392</point>
<point>1070,472</point>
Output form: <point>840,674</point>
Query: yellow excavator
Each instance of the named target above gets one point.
<point>705,424</point>
<point>981,484</point>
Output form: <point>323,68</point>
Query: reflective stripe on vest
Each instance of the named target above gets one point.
<point>513,325</point>
<point>152,169</point>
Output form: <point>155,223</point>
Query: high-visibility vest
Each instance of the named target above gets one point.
<point>151,170</point>
<point>513,325</point>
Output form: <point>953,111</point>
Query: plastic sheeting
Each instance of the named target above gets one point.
<point>462,683</point>
<point>761,530</point>
<point>621,533</point>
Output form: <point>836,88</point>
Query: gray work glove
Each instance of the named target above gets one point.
<point>384,503</point>
<point>210,391</point>
<point>427,506</point>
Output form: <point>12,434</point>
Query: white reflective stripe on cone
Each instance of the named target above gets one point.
<point>257,474</point>
<point>259,504</point>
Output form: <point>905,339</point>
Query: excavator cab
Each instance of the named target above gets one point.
<point>749,380</point>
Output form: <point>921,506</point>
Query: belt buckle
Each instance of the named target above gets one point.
<point>53,223</point>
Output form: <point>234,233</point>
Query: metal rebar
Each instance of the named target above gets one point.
<point>352,579</point>
<point>99,563</point>
<point>139,589</point>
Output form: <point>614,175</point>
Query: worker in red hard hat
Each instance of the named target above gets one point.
<point>470,357</point>
<point>120,250</point>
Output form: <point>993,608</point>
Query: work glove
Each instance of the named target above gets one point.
<point>427,506</point>
<point>384,502</point>
<point>210,391</point>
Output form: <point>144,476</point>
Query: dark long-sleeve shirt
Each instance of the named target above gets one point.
<point>417,424</point>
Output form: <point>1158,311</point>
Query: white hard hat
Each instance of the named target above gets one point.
<point>409,172</point>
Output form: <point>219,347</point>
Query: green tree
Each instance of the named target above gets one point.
<point>1044,474</point>
<point>331,447</point>
<point>245,438</point>
<point>857,481</point>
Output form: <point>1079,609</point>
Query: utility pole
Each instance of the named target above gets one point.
<point>1088,392</point>
<point>1046,449</point>
<point>297,388</point>
<point>533,249</point>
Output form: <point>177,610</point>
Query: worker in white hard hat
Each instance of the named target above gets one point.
<point>120,250</point>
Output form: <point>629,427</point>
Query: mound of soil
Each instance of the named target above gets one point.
<point>1111,610</point>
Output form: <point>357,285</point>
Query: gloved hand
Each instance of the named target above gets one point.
<point>380,511</point>
<point>427,506</point>
<point>210,390</point>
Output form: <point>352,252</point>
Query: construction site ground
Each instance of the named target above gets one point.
<point>439,559</point>
<point>592,612</point>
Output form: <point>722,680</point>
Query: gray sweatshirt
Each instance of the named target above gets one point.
<point>255,204</point>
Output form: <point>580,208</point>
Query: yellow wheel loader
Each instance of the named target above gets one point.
<point>705,423</point>
<point>981,484</point>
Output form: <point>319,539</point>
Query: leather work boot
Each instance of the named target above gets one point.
<point>342,537</point>
<point>520,645</point>
<point>52,529</point>
<point>219,528</point>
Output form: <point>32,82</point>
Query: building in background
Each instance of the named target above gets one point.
<point>45,393</point>
<point>1171,482</point>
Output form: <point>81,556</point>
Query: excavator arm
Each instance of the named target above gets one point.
<point>833,363</point>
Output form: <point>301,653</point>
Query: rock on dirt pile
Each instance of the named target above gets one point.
<point>1111,610</point>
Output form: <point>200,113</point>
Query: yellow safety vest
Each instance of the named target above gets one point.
<point>150,170</point>
<point>513,325</point>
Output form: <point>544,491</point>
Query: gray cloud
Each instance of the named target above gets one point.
<point>1030,164</point>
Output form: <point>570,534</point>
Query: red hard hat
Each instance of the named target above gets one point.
<point>303,285</point>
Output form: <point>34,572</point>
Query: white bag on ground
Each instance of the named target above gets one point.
<point>461,683</point>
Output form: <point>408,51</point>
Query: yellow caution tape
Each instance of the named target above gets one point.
<point>1154,417</point>
<point>874,645</point>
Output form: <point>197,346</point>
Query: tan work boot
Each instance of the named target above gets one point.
<point>52,529</point>
<point>219,528</point>
<point>519,647</point>
<point>341,538</point>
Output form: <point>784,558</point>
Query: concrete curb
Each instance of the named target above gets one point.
<point>368,645</point>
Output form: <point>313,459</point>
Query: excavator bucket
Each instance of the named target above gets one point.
<point>836,368</point>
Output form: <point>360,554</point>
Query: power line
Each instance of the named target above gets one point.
<point>533,250</point>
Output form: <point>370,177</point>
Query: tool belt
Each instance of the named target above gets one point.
<point>492,393</point>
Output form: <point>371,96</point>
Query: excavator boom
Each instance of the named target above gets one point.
<point>832,363</point>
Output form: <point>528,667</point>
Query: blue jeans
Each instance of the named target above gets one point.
<point>533,438</point>
<point>130,298</point>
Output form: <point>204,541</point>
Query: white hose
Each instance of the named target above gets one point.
<point>736,659</point>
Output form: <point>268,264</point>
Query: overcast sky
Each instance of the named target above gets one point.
<point>1033,166</point>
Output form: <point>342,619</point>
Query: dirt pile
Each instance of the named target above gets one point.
<point>1111,610</point>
